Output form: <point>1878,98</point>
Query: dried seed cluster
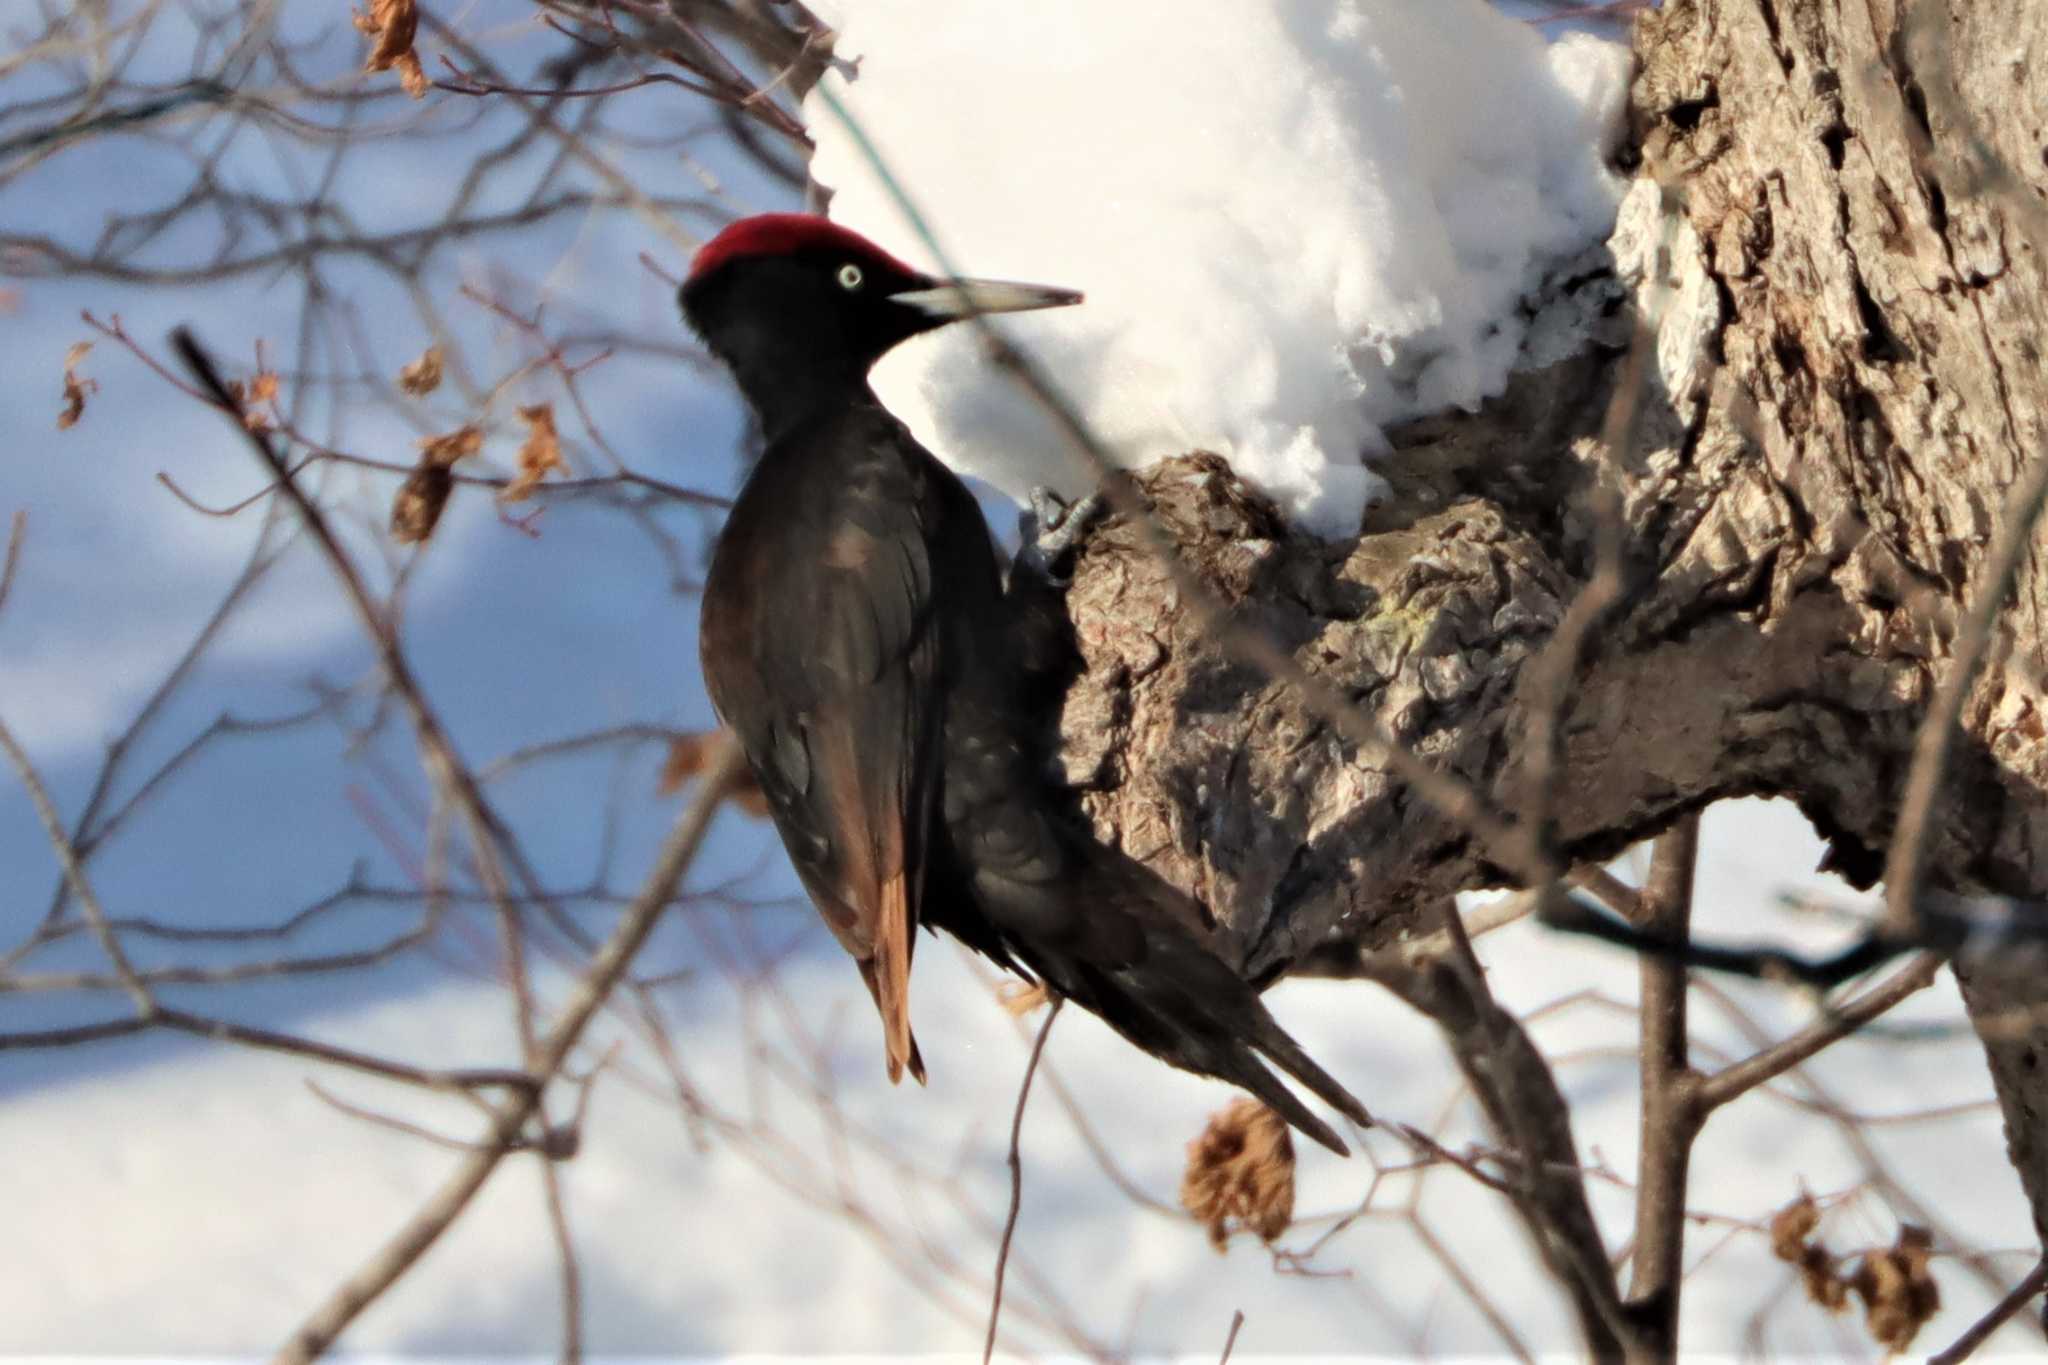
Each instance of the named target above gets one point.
<point>1240,1173</point>
<point>1898,1290</point>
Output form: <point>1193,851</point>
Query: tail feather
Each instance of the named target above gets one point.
<point>1215,1013</point>
<point>1288,1055</point>
<point>1252,1074</point>
<point>891,983</point>
<point>900,1047</point>
<point>1220,1020</point>
<point>1186,1007</point>
<point>1102,929</point>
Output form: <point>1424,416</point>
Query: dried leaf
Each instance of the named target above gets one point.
<point>261,388</point>
<point>1822,1279</point>
<point>541,453</point>
<point>391,26</point>
<point>1792,1232</point>
<point>687,755</point>
<point>1898,1291</point>
<point>447,448</point>
<point>76,386</point>
<point>1241,1171</point>
<point>1792,1226</point>
<point>412,75</point>
<point>417,509</point>
<point>423,376</point>
<point>1022,997</point>
<point>75,391</point>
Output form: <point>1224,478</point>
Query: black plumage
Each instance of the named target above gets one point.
<point>858,637</point>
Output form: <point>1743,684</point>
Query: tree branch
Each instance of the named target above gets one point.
<point>326,1323</point>
<point>1670,1115</point>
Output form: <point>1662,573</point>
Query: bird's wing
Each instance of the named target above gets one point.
<point>820,652</point>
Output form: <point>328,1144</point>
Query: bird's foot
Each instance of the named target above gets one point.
<point>1051,530</point>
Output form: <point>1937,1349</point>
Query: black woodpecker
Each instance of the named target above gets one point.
<point>858,637</point>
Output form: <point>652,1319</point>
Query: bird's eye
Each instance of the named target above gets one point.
<point>849,277</point>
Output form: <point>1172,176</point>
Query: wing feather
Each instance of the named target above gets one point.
<point>823,658</point>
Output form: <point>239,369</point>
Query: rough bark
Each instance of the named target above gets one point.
<point>1834,232</point>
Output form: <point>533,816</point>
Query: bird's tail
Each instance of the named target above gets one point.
<point>899,1042</point>
<point>1278,1045</point>
<point>1096,926</point>
<point>1176,999</point>
<point>1221,1028</point>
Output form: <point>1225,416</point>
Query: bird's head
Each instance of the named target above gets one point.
<point>796,304</point>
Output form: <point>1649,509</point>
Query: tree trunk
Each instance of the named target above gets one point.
<point>1834,232</point>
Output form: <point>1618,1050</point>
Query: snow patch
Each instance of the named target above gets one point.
<point>1296,223</point>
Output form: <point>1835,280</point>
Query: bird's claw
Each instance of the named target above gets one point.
<point>1051,529</point>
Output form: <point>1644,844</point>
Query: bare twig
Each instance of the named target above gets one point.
<point>174,1020</point>
<point>1475,1294</point>
<point>1519,1094</point>
<point>1897,1197</point>
<point>1016,1163</point>
<point>1230,1341</point>
<point>240,504</point>
<point>17,535</point>
<point>565,1257</point>
<point>1980,1331</point>
<point>326,1323</point>
<point>74,875</point>
<point>1953,925</point>
<point>1838,1023</point>
<point>383,1120</point>
<point>490,837</point>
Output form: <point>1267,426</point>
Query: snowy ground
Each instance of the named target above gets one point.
<point>173,1198</point>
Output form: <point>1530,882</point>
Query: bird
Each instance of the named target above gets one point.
<point>858,636</point>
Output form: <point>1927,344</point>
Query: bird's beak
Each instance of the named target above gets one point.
<point>947,300</point>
